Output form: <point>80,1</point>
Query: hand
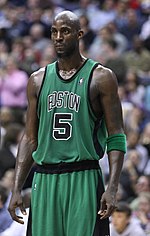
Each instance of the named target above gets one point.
<point>108,204</point>
<point>142,217</point>
<point>16,202</point>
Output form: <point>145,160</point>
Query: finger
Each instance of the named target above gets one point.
<point>23,210</point>
<point>107,213</point>
<point>15,217</point>
<point>102,207</point>
<point>102,213</point>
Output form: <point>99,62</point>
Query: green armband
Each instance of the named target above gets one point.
<point>116,142</point>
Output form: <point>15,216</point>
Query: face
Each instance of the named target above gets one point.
<point>134,157</point>
<point>142,185</point>
<point>65,38</point>
<point>120,221</point>
<point>144,205</point>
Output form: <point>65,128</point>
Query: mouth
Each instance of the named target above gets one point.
<point>59,45</point>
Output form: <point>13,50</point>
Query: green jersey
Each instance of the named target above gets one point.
<point>68,129</point>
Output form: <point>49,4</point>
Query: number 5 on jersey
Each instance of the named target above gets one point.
<point>62,129</point>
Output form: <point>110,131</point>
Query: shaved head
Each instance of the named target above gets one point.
<point>69,18</point>
<point>65,34</point>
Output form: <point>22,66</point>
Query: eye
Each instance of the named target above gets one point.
<point>66,31</point>
<point>53,31</point>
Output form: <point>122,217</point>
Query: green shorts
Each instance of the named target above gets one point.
<point>67,204</point>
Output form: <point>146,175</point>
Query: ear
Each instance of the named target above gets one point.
<point>80,34</point>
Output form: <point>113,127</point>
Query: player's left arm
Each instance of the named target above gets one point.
<point>116,143</point>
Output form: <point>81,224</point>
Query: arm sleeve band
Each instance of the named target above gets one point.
<point>117,142</point>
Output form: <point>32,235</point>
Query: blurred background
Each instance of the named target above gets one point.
<point>116,34</point>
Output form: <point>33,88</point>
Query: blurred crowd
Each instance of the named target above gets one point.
<point>116,34</point>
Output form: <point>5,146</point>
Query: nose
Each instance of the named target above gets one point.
<point>59,36</point>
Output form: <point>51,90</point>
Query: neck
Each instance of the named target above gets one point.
<point>70,63</point>
<point>68,68</point>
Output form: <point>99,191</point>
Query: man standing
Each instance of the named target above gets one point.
<point>73,113</point>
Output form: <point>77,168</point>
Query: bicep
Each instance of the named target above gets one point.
<point>31,127</point>
<point>111,104</point>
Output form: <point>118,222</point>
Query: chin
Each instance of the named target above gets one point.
<point>60,52</point>
<point>62,55</point>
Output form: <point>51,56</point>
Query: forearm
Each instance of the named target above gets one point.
<point>24,162</point>
<point>116,159</point>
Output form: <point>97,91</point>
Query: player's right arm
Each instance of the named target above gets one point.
<point>27,145</point>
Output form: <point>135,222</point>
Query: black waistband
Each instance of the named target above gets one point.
<point>64,167</point>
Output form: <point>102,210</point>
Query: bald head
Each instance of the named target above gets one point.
<point>65,34</point>
<point>69,18</point>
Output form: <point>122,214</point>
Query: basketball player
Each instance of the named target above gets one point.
<point>73,115</point>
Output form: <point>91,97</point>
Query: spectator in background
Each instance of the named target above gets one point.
<point>141,188</point>
<point>90,8</point>
<point>144,75</point>
<point>97,48</point>
<point>142,185</point>
<point>138,58</point>
<point>134,4</point>
<point>145,137</point>
<point>10,145</point>
<point>135,122</point>
<point>130,174</point>
<point>132,27</point>
<point>127,106</point>
<point>32,57</point>
<point>6,117</point>
<point>114,60</point>
<point>17,50</point>
<point>7,182</point>
<point>83,49</point>
<point>106,14</point>
<point>4,22</point>
<point>40,42</point>
<point>134,90</point>
<point>34,17</point>
<point>31,61</point>
<point>145,141</point>
<point>145,33</point>
<point>142,211</point>
<point>3,55</point>
<point>122,223</point>
<point>50,10</point>
<point>131,166</point>
<point>120,39</point>
<point>5,219</point>
<point>121,13</point>
<point>13,86</point>
<point>89,34</point>
<point>17,2</point>
<point>147,99</point>
<point>48,56</point>
<point>31,4</point>
<point>17,27</point>
<point>133,143</point>
<point>15,228</point>
<point>145,7</point>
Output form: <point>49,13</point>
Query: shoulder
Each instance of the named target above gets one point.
<point>104,78</point>
<point>112,230</point>
<point>104,74</point>
<point>36,79</point>
<point>136,227</point>
<point>39,73</point>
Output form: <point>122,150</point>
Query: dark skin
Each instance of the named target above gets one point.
<point>66,34</point>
